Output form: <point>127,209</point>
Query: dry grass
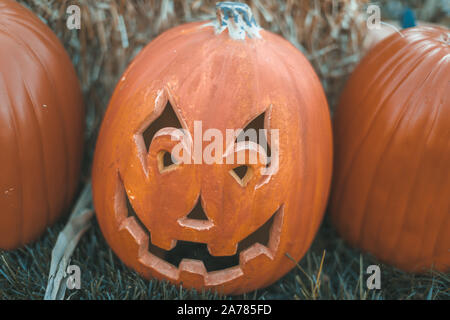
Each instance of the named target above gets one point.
<point>329,32</point>
<point>330,270</point>
<point>436,11</point>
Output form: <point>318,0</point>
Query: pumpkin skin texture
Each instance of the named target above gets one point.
<point>41,127</point>
<point>225,83</point>
<point>391,184</point>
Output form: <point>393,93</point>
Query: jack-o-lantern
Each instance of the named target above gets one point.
<point>41,126</point>
<point>222,225</point>
<point>391,185</point>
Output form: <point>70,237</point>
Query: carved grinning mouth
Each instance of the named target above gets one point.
<point>195,257</point>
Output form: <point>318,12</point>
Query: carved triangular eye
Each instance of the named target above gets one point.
<point>165,161</point>
<point>253,128</point>
<point>242,174</point>
<point>241,171</point>
<point>167,118</point>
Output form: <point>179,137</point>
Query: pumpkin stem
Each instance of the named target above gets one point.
<point>238,19</point>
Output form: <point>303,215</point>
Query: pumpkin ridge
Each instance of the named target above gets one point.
<point>436,112</point>
<point>163,36</point>
<point>38,73</point>
<point>357,149</point>
<point>35,32</point>
<point>63,131</point>
<point>414,94</point>
<point>403,54</point>
<point>302,134</point>
<point>200,70</point>
<point>13,120</point>
<point>376,55</point>
<point>143,55</point>
<point>390,140</point>
<point>440,233</point>
<point>44,169</point>
<point>302,119</point>
<point>51,41</point>
<point>61,121</point>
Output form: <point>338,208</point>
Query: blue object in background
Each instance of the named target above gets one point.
<point>408,19</point>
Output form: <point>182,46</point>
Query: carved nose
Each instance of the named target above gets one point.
<point>197,213</point>
<point>197,218</point>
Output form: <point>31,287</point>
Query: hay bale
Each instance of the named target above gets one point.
<point>329,32</point>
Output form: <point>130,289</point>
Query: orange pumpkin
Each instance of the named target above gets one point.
<point>391,187</point>
<point>41,126</point>
<point>205,225</point>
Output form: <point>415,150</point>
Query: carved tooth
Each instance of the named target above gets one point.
<point>221,249</point>
<point>161,267</point>
<point>133,236</point>
<point>254,257</point>
<point>163,242</point>
<point>192,272</point>
<point>224,276</point>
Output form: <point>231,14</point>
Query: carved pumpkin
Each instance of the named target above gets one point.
<point>391,187</point>
<point>41,126</point>
<point>228,227</point>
